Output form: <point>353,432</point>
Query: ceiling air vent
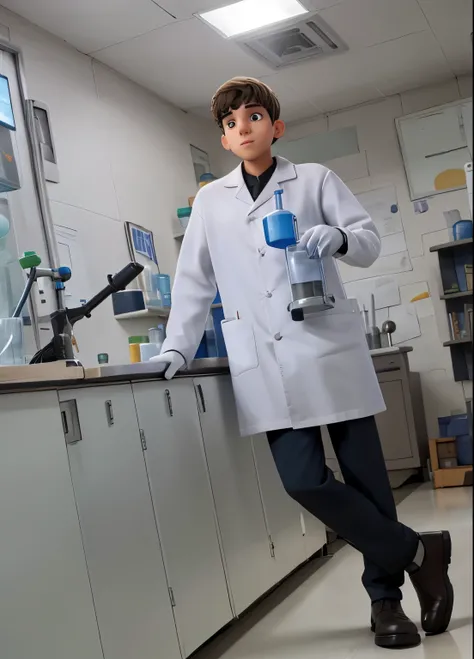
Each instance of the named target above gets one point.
<point>292,43</point>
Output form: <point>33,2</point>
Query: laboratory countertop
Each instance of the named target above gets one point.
<point>59,375</point>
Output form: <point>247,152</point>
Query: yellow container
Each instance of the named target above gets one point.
<point>134,347</point>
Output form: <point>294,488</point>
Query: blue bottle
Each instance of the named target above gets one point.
<point>280,226</point>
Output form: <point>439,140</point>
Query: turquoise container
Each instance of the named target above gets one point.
<point>280,226</point>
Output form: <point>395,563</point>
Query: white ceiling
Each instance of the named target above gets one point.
<point>394,45</point>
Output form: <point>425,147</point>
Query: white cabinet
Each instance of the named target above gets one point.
<point>46,606</point>
<point>237,496</point>
<point>282,513</point>
<point>118,527</point>
<point>179,479</point>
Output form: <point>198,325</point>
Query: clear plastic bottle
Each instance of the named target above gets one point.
<point>306,274</point>
<point>211,341</point>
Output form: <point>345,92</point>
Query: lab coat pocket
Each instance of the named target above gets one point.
<point>241,348</point>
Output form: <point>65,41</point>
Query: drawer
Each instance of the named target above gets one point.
<point>387,363</point>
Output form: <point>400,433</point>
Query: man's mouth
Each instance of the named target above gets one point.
<point>247,142</point>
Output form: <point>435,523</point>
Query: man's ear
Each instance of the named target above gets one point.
<point>225,142</point>
<point>278,129</point>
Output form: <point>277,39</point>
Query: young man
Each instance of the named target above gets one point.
<point>289,377</point>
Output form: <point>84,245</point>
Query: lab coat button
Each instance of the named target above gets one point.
<point>278,337</point>
<point>268,294</point>
<point>262,251</point>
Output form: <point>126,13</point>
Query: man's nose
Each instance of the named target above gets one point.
<point>244,127</point>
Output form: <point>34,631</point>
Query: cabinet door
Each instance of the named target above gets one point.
<point>282,513</point>
<point>46,606</point>
<point>118,527</point>
<point>237,497</point>
<point>393,424</point>
<point>184,506</point>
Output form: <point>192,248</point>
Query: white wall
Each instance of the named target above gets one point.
<point>378,164</point>
<point>123,155</point>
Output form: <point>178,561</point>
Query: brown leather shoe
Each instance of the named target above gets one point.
<point>432,584</point>
<point>393,629</point>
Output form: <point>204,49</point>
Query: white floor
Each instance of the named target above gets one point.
<point>327,615</point>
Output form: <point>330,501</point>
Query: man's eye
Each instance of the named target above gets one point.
<point>230,124</point>
<point>256,116</point>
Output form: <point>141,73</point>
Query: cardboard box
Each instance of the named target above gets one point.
<point>446,450</point>
<point>452,477</point>
<point>448,463</point>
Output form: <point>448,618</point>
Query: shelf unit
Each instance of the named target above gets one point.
<point>451,255</point>
<point>143,313</point>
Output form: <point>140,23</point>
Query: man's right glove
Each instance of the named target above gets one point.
<point>173,360</point>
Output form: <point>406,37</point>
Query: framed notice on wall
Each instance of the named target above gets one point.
<point>435,146</point>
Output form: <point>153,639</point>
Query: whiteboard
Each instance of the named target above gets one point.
<point>435,146</point>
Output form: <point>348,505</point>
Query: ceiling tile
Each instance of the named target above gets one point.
<point>367,22</point>
<point>187,8</point>
<point>294,107</point>
<point>412,61</point>
<point>184,62</point>
<point>451,22</point>
<point>90,25</point>
<point>332,83</point>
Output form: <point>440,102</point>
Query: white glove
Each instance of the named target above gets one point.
<point>322,240</point>
<point>174,361</point>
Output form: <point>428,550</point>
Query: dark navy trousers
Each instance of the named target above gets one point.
<point>362,509</point>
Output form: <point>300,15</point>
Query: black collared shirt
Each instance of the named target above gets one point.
<point>256,184</point>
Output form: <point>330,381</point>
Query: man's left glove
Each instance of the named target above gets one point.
<point>322,240</point>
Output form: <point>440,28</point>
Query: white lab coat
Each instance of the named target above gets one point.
<point>285,374</point>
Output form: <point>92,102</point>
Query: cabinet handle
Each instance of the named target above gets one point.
<point>201,398</point>
<point>64,420</point>
<point>70,421</point>
<point>109,412</point>
<point>168,402</point>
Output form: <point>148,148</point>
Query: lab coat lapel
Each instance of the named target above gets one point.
<point>236,180</point>
<point>285,171</point>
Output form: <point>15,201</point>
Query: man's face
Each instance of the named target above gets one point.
<point>249,132</point>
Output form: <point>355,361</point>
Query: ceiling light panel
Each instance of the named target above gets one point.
<point>248,15</point>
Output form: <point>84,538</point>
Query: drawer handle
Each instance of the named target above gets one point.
<point>201,398</point>
<point>168,402</point>
<point>109,412</point>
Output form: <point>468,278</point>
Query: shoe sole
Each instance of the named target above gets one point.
<point>447,551</point>
<point>396,641</point>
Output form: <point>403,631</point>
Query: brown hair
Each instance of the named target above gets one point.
<point>242,91</point>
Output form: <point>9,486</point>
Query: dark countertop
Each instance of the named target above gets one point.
<point>84,377</point>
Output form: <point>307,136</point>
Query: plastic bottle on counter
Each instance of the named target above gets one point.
<point>134,347</point>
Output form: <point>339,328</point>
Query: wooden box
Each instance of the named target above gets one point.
<point>454,477</point>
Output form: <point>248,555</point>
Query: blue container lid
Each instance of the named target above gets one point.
<point>207,177</point>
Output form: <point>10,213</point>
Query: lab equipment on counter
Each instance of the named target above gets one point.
<point>127,301</point>
<point>388,328</point>
<point>134,343</point>
<point>162,284</point>
<point>462,230</point>
<point>183,216</point>
<point>11,342</point>
<point>374,333</point>
<point>151,295</point>
<point>157,335</point>
<point>31,261</point>
<point>63,320</point>
<point>305,274</point>
<point>147,351</point>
